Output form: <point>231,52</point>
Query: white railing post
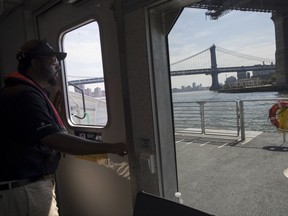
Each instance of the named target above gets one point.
<point>201,103</point>
<point>242,122</point>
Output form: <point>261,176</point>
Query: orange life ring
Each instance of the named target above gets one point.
<point>274,111</point>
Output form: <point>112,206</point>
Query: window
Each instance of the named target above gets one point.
<point>217,173</point>
<point>84,76</point>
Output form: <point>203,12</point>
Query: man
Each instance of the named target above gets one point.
<point>33,135</point>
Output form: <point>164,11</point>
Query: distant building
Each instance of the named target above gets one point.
<point>247,82</point>
<point>264,75</point>
<point>230,80</point>
<point>241,75</point>
<point>88,91</point>
<point>97,92</point>
<point>194,87</point>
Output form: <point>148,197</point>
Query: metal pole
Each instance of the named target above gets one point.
<point>202,116</point>
<point>242,122</point>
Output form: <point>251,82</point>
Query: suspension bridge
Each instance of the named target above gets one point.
<point>215,60</point>
<point>211,61</point>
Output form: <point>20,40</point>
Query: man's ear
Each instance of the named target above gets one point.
<point>35,64</point>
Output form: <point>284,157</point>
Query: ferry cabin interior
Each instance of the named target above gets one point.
<point>135,66</point>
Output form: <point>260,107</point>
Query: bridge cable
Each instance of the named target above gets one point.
<point>243,55</point>
<point>189,57</point>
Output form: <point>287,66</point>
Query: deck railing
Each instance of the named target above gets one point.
<point>224,118</point>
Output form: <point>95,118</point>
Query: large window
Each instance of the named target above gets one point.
<point>85,77</point>
<point>229,157</point>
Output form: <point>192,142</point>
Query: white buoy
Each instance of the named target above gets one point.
<point>178,195</point>
<point>285,172</point>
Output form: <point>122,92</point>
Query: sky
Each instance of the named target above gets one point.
<point>244,32</point>
<point>249,33</point>
<point>83,46</point>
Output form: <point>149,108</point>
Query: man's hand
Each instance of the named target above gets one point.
<point>119,148</point>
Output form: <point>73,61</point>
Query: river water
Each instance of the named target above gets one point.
<point>212,96</point>
<point>256,105</point>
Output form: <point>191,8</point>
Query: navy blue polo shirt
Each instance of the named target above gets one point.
<point>26,117</point>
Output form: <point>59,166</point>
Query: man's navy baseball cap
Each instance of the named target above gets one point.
<point>37,48</point>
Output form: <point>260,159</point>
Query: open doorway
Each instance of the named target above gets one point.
<point>217,173</point>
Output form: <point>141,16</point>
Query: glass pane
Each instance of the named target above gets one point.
<point>84,76</point>
<point>228,154</point>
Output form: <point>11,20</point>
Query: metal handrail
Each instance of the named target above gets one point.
<point>202,117</point>
<point>83,101</point>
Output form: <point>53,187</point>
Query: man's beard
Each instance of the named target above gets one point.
<point>53,80</point>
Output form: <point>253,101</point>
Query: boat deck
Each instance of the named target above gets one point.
<point>225,177</point>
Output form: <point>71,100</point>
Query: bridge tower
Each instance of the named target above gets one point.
<point>214,71</point>
<point>281,25</point>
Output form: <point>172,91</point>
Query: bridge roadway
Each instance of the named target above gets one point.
<point>223,70</point>
<point>87,81</point>
<point>224,177</point>
<point>206,71</point>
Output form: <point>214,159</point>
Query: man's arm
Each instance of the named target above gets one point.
<point>75,145</point>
